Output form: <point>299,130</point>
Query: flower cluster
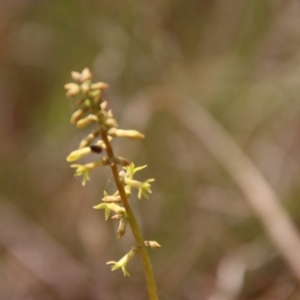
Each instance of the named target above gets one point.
<point>109,201</point>
<point>92,111</point>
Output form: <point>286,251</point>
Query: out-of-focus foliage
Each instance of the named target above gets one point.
<point>239,59</point>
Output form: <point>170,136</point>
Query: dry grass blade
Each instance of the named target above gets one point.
<point>258,192</point>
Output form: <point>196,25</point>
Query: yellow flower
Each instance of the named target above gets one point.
<point>131,170</point>
<point>84,170</point>
<point>109,207</point>
<point>123,261</point>
<point>142,187</point>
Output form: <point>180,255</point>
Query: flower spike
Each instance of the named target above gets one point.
<point>92,112</point>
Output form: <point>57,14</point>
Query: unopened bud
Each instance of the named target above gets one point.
<point>90,138</point>
<point>101,144</point>
<point>73,89</point>
<point>85,87</point>
<point>86,74</point>
<point>77,115</point>
<point>122,227</point>
<point>86,121</point>
<point>111,122</point>
<point>103,105</point>
<point>110,113</point>
<point>152,244</point>
<point>101,162</point>
<point>76,76</point>
<point>77,154</point>
<point>99,86</point>
<point>132,134</point>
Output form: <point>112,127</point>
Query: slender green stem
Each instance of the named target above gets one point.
<point>132,222</point>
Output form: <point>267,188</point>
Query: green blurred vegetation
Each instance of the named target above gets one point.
<point>238,59</point>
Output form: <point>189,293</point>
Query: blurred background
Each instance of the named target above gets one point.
<point>238,61</point>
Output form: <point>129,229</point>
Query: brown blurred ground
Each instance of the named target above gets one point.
<point>239,60</point>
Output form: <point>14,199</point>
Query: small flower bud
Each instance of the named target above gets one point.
<point>86,74</point>
<point>77,154</point>
<point>101,144</point>
<point>86,104</point>
<point>122,227</point>
<point>132,134</point>
<point>152,244</point>
<point>89,139</point>
<point>111,122</point>
<point>103,105</point>
<point>96,95</point>
<point>99,86</point>
<point>76,76</point>
<point>85,87</point>
<point>110,113</point>
<point>77,115</point>
<point>73,89</point>
<point>86,121</point>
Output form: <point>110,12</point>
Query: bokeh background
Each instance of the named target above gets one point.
<point>237,60</point>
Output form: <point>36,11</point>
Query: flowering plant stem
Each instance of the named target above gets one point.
<point>132,222</point>
<point>92,109</point>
